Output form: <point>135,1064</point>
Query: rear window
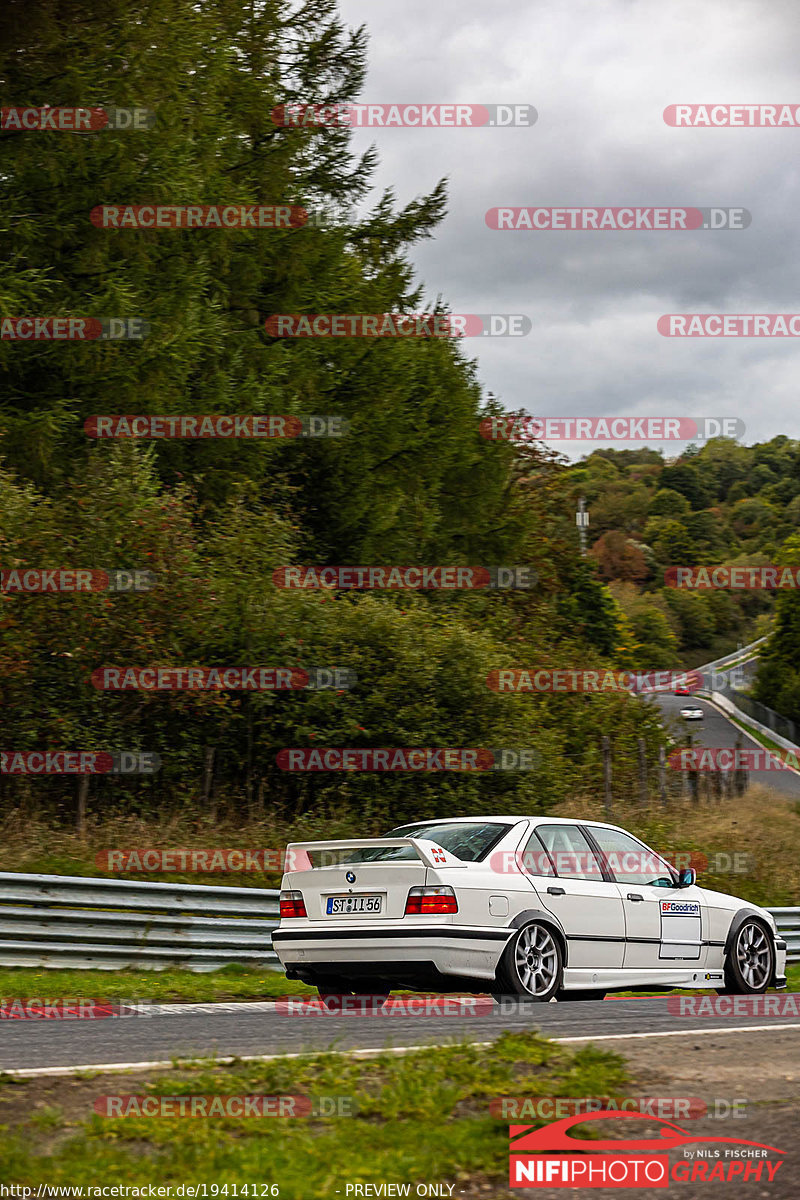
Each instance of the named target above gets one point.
<point>469,842</point>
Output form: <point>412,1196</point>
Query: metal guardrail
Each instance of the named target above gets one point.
<point>788,922</point>
<point>765,719</point>
<point>744,652</point>
<point>770,720</point>
<point>68,921</point>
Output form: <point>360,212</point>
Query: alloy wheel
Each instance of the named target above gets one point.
<point>536,959</point>
<point>753,955</point>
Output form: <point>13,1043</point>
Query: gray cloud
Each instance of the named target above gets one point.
<point>600,73</point>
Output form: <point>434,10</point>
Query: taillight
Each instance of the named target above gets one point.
<point>431,900</point>
<point>292,905</point>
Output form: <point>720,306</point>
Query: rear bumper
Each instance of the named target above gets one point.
<point>390,953</point>
<point>389,976</point>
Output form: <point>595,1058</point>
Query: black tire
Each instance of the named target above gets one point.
<point>750,963</point>
<point>583,994</point>
<point>532,964</point>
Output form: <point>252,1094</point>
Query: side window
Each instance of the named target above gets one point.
<point>571,854</point>
<point>631,862</point>
<point>535,859</point>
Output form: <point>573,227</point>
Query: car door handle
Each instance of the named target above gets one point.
<point>554,891</point>
<point>634,896</point>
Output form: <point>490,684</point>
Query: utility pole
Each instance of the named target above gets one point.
<point>582,521</point>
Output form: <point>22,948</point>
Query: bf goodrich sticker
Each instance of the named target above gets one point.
<point>680,929</point>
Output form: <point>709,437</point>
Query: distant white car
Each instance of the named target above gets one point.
<point>692,714</point>
<point>536,907</point>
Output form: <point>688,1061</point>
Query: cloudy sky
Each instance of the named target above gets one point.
<point>600,73</point>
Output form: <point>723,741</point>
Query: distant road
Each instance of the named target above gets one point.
<point>716,730</point>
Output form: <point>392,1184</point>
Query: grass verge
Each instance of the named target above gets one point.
<point>175,987</point>
<point>165,987</point>
<point>418,1117</point>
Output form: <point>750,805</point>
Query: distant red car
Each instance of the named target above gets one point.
<point>689,683</point>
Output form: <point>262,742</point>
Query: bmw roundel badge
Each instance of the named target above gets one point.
<point>350,877</point>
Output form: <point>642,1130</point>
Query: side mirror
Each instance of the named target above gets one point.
<point>687,877</point>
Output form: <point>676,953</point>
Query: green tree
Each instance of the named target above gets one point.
<point>669,503</point>
<point>689,479</point>
<point>674,545</point>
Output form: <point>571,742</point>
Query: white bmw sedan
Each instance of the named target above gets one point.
<point>538,907</point>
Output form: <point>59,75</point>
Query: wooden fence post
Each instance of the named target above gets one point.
<point>607,774</point>
<point>662,775</point>
<point>80,813</point>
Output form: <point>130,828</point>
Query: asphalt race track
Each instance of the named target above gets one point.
<point>255,1029</point>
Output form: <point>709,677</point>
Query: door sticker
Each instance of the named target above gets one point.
<point>680,929</point>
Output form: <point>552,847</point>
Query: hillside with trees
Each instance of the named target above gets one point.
<point>412,481</point>
<point>720,503</point>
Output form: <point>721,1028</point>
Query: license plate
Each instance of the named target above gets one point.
<point>345,906</point>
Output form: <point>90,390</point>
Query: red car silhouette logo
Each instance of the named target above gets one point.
<point>555,1137</point>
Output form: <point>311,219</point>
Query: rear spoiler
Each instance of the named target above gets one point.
<point>298,859</point>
